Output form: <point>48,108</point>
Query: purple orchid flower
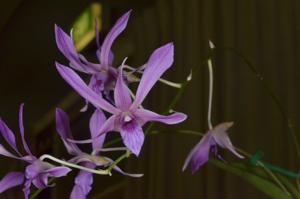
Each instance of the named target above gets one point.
<point>103,75</point>
<point>128,117</point>
<point>36,173</point>
<point>84,179</point>
<point>199,155</point>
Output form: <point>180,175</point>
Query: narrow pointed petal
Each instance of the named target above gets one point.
<point>21,126</point>
<point>8,135</point>
<point>11,179</point>
<point>220,136</point>
<point>26,189</point>
<point>199,155</point>
<point>64,130</point>
<point>28,158</point>
<point>82,89</point>
<point>92,67</point>
<point>116,30</point>
<point>133,175</point>
<point>83,183</point>
<point>121,93</point>
<point>160,60</point>
<point>96,122</point>
<point>58,171</point>
<point>110,57</point>
<point>133,136</point>
<point>66,47</point>
<point>109,125</point>
<point>6,153</point>
<point>146,115</point>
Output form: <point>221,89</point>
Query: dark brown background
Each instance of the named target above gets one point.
<point>266,32</point>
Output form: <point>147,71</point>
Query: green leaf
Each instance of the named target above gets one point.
<point>264,185</point>
<point>259,171</point>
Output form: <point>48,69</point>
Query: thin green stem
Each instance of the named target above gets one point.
<point>211,87</point>
<point>68,164</point>
<point>272,94</point>
<point>210,95</point>
<point>117,161</point>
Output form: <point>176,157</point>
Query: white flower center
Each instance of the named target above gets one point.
<point>127,118</point>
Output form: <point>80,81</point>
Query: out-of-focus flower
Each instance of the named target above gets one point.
<point>84,179</point>
<point>103,75</point>
<point>36,173</point>
<point>199,155</point>
<point>128,116</point>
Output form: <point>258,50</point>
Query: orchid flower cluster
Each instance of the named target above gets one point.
<point>116,109</point>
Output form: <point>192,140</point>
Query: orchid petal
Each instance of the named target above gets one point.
<point>8,135</point>
<point>121,93</point>
<point>134,175</point>
<point>40,182</point>
<point>66,47</point>
<point>83,183</point>
<point>77,193</point>
<point>58,171</point>
<point>146,115</point>
<point>11,179</point>
<point>160,60</point>
<point>96,122</point>
<point>64,130</point>
<point>4,152</point>
<point>199,154</point>
<point>110,57</point>
<point>94,68</point>
<point>109,125</point>
<point>221,138</point>
<point>78,84</point>
<point>116,30</point>
<point>26,188</point>
<point>133,136</point>
<point>36,168</point>
<point>21,126</point>
<point>29,158</point>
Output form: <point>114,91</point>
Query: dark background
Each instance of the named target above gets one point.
<point>266,32</point>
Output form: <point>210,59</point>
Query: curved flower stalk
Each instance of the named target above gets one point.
<point>127,116</point>
<point>84,179</point>
<point>103,75</point>
<point>37,172</point>
<point>215,136</point>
